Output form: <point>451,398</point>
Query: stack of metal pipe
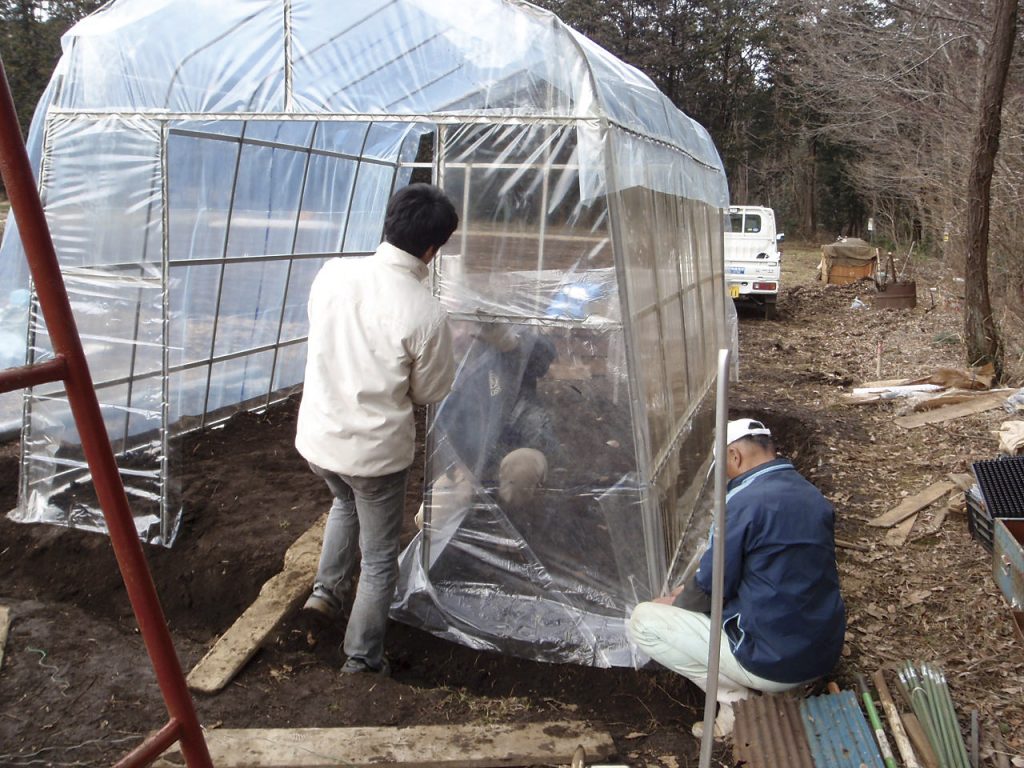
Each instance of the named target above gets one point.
<point>926,690</point>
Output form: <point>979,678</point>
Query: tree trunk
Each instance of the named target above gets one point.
<point>809,219</point>
<point>982,337</point>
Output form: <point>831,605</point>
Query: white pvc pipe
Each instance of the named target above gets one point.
<point>717,559</point>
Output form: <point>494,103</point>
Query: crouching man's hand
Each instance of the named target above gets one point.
<point>670,598</point>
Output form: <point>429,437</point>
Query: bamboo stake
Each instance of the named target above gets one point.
<point>899,733</point>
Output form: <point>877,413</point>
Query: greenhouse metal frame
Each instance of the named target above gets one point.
<point>188,237</point>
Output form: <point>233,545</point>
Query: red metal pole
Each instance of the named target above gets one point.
<point>60,322</point>
<point>153,747</point>
<point>33,375</point>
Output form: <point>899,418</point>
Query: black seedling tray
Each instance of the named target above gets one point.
<point>1001,483</point>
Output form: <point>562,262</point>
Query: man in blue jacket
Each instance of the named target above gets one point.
<point>783,616</point>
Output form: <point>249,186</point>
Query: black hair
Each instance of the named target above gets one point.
<point>419,217</point>
<point>765,442</point>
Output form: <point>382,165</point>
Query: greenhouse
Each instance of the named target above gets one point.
<point>197,175</point>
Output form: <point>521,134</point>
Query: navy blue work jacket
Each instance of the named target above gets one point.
<point>783,613</point>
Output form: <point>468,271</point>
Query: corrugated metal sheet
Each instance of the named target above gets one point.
<point>838,734</point>
<point>770,734</point>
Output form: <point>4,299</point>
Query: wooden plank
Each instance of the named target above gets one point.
<point>897,535</point>
<point>450,746</point>
<point>843,544</point>
<point>943,401</point>
<point>5,625</point>
<point>912,504</point>
<point>885,383</point>
<point>962,480</point>
<point>279,597</point>
<point>921,744</point>
<point>955,503</point>
<point>979,404</point>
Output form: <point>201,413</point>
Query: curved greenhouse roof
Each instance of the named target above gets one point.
<point>411,58</point>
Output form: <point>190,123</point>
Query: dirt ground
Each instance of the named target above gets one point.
<point>76,688</point>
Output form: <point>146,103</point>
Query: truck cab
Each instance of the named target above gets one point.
<point>753,259</point>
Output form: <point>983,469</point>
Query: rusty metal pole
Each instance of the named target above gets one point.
<point>60,323</point>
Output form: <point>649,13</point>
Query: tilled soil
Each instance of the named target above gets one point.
<point>76,687</point>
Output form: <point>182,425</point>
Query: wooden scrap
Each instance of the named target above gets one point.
<point>278,597</point>
<point>921,744</point>
<point>892,714</point>
<point>843,544</point>
<point>940,517</point>
<point>941,401</point>
<point>447,746</point>
<point>978,404</point>
<point>885,383</point>
<point>912,504</point>
<point>5,626</point>
<point>975,378</point>
<point>897,535</point>
<point>962,480</point>
<point>1011,437</point>
<point>955,505</point>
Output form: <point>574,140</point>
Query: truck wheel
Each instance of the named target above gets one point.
<point>770,311</point>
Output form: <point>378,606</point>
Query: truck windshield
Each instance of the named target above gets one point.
<point>752,223</point>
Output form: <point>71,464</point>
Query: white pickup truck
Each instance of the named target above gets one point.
<point>753,259</point>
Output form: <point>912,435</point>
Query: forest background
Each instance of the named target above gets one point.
<point>833,112</point>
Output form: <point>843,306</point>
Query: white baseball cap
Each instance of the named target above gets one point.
<point>741,428</point>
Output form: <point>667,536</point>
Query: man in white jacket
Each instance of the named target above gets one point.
<point>379,344</point>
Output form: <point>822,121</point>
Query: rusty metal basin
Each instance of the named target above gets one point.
<point>896,296</point>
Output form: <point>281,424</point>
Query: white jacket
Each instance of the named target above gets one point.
<point>378,343</point>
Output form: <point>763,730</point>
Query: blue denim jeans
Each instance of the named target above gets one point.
<point>367,511</point>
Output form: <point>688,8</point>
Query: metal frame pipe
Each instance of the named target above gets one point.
<point>717,560</point>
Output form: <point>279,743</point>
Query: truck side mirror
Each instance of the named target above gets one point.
<point>781,237</point>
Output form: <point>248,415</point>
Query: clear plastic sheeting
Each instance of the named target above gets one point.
<point>196,177</point>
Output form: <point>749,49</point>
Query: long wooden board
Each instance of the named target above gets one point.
<point>280,596</point>
<point>912,504</point>
<point>978,404</point>
<point>897,535</point>
<point>457,746</point>
<point>5,625</point>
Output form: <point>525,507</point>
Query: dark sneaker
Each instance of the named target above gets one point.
<point>321,610</point>
<point>354,666</point>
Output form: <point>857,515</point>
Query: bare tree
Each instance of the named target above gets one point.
<point>894,84</point>
<point>983,343</point>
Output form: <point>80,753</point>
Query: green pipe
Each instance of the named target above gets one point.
<point>941,719</point>
<point>953,751</point>
<point>961,748</point>
<point>958,752</point>
<point>876,723</point>
<point>925,712</point>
